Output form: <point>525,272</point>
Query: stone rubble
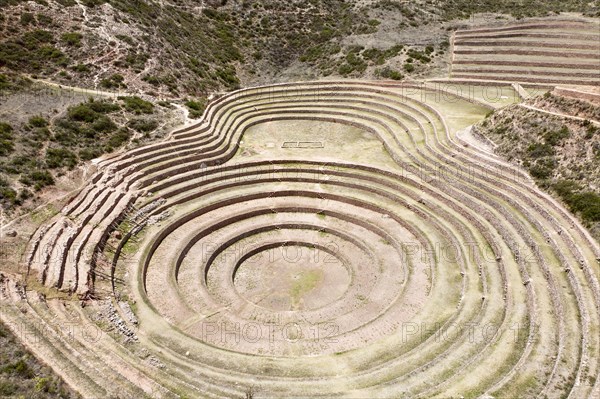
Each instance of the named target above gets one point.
<point>110,313</point>
<point>126,309</point>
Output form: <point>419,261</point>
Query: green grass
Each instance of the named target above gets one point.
<point>306,282</point>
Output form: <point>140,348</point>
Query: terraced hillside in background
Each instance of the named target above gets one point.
<point>339,238</point>
<point>173,49</point>
<point>543,52</point>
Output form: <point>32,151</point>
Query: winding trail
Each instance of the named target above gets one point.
<point>565,116</point>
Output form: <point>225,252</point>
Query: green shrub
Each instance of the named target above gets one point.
<point>38,121</point>
<point>591,213</point>
<point>19,368</point>
<point>7,388</point>
<point>42,384</point>
<point>408,67</point>
<point>539,150</point>
<point>93,3</point>
<point>393,51</point>
<point>6,131</point>
<point>389,73</point>
<point>90,111</point>
<point>24,195</point>
<point>119,138</point>
<point>372,54</point>
<point>43,19</point>
<point>136,60</point>
<point>6,139</point>
<point>82,113</point>
<point>22,162</point>
<point>31,52</point>
<point>354,60</point>
<point>565,188</point>
<point>228,76</point>
<point>417,55</point>
<point>395,75</point>
<point>143,125</point>
<point>103,125</point>
<point>72,38</point>
<point>127,39</point>
<point>137,105</point>
<point>211,13</point>
<point>4,82</point>
<point>115,81</point>
<point>540,171</point>
<point>196,108</point>
<point>103,107</point>
<point>67,133</point>
<point>312,54</point>
<point>50,52</point>
<point>8,196</point>
<point>26,18</point>
<point>586,203</point>
<point>60,157</point>
<point>39,179</point>
<point>165,104</point>
<point>555,137</point>
<point>36,37</point>
<point>153,80</point>
<point>345,69</point>
<point>81,68</point>
<point>89,153</point>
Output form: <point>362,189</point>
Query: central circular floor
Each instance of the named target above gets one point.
<point>292,278</point>
<point>307,276</point>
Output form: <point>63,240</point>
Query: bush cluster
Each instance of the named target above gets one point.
<point>580,201</point>
<point>137,105</point>
<point>196,107</point>
<point>6,139</point>
<point>33,52</point>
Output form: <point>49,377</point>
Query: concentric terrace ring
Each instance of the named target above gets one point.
<point>449,273</point>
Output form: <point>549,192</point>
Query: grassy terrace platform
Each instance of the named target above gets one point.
<point>549,52</point>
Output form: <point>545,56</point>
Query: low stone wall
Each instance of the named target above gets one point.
<point>578,94</point>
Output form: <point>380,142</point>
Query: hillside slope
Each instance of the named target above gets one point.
<point>21,375</point>
<point>561,153</point>
<point>184,47</point>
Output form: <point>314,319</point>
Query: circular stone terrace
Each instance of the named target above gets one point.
<point>322,239</point>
